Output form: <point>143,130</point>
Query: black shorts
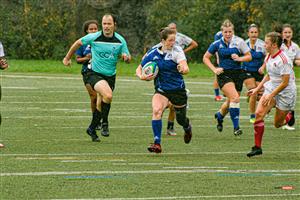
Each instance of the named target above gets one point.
<point>177,98</point>
<point>94,77</point>
<point>257,76</point>
<point>231,75</point>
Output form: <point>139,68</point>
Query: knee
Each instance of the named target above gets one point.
<point>235,99</point>
<point>107,98</point>
<point>157,112</point>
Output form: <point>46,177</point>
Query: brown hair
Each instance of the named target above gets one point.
<point>165,32</point>
<point>275,38</point>
<point>86,25</point>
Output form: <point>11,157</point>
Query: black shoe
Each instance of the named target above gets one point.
<point>93,135</point>
<point>105,130</point>
<point>255,151</point>
<point>291,122</point>
<point>187,134</point>
<point>220,123</point>
<point>98,127</point>
<point>237,131</point>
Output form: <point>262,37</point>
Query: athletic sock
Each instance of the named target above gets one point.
<point>217,92</point>
<point>105,107</point>
<point>234,110</point>
<point>259,127</point>
<point>156,128</point>
<point>170,125</point>
<point>95,120</point>
<point>220,116</point>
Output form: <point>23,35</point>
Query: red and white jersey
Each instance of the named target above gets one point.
<point>293,51</point>
<point>277,66</point>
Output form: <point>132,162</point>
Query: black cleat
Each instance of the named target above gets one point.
<point>220,123</point>
<point>237,131</point>
<point>187,134</point>
<point>93,135</point>
<point>105,130</point>
<point>255,151</point>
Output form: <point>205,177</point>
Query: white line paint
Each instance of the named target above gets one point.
<point>137,154</point>
<point>233,196</point>
<point>56,173</point>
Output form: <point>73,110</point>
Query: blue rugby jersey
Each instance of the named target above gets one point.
<point>258,54</point>
<point>82,52</point>
<point>105,51</point>
<point>236,46</point>
<point>168,77</point>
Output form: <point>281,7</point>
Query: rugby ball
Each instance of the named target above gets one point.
<point>150,68</point>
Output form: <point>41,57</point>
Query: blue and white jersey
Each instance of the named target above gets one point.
<point>258,53</point>
<point>105,51</point>
<point>82,52</point>
<point>168,77</point>
<point>218,36</point>
<point>236,46</point>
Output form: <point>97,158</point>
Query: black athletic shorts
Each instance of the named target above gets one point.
<point>257,76</point>
<point>231,75</point>
<point>94,77</point>
<point>177,98</point>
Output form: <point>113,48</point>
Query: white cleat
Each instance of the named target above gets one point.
<point>287,127</point>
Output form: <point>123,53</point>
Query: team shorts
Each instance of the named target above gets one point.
<point>231,75</point>
<point>94,77</point>
<point>285,100</point>
<point>256,75</point>
<point>177,98</point>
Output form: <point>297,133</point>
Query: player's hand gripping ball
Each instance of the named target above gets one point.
<point>150,70</point>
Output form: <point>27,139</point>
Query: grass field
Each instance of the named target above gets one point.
<point>48,155</point>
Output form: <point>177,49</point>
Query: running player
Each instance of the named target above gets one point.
<point>187,44</point>
<point>83,56</point>
<point>106,47</point>
<point>232,50</point>
<point>292,50</point>
<point>279,89</point>
<point>169,85</point>
<point>254,70</point>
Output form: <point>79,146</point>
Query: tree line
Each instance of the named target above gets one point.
<point>45,29</point>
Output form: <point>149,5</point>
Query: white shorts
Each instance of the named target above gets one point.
<point>285,100</point>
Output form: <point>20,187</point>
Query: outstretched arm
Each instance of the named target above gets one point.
<point>73,48</point>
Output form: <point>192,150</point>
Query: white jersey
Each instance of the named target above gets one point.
<point>293,52</point>
<point>1,50</point>
<point>183,40</point>
<point>277,66</point>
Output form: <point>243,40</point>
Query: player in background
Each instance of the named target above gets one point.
<point>232,50</point>
<point>3,65</point>
<point>106,47</point>
<point>83,56</point>
<point>279,89</point>
<point>187,44</point>
<point>216,87</point>
<point>169,85</point>
<point>292,50</point>
<point>254,70</point>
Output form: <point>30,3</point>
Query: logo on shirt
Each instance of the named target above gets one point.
<point>155,58</point>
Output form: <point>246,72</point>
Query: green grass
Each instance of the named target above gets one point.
<point>44,117</point>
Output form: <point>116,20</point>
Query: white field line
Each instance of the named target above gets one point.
<point>136,153</point>
<point>195,197</point>
<point>177,171</point>
<point>232,196</point>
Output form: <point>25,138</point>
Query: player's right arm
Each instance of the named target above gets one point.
<point>73,48</point>
<point>206,60</point>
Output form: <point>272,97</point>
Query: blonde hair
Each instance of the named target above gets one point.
<point>227,23</point>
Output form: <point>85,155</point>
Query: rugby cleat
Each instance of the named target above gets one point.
<point>237,131</point>
<point>105,130</point>
<point>255,151</point>
<point>187,134</point>
<point>93,135</point>
<point>218,98</point>
<point>171,132</point>
<point>287,127</point>
<point>156,148</point>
